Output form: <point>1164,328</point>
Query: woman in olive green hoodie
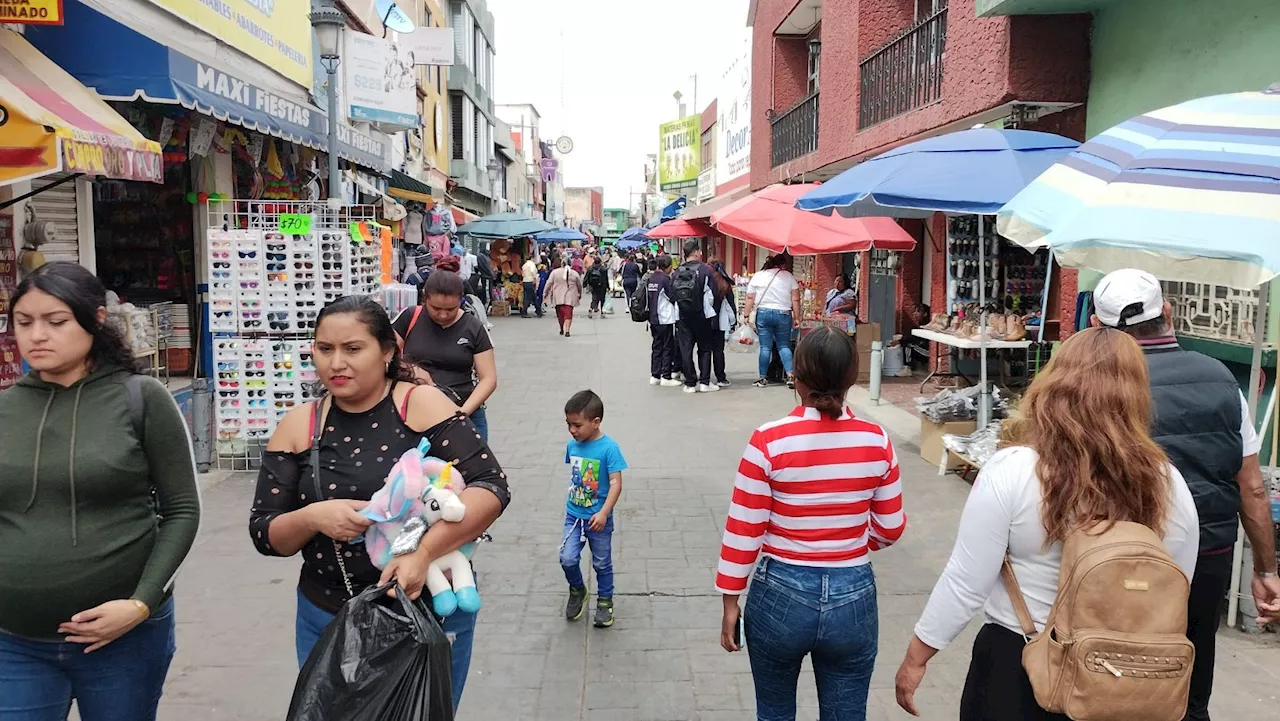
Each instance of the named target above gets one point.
<point>98,508</point>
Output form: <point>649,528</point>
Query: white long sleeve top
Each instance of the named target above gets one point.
<point>1003,514</point>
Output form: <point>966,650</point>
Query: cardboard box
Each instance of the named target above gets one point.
<point>864,367</point>
<point>931,440</point>
<point>866,333</point>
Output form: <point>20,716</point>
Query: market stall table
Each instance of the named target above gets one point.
<point>957,344</point>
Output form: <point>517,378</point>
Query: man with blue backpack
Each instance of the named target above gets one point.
<point>693,288</point>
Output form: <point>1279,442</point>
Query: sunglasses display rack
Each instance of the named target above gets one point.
<point>266,289</point>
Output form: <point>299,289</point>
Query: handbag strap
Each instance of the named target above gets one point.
<point>767,286</point>
<point>1015,596</point>
<point>317,418</point>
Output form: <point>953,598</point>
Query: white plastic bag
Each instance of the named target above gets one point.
<point>744,340</point>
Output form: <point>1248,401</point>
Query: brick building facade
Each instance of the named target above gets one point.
<point>835,82</point>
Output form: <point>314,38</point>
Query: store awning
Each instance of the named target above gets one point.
<point>50,122</point>
<point>407,187</point>
<point>702,211</point>
<point>121,64</point>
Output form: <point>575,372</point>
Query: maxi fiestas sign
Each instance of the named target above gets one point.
<point>247,104</point>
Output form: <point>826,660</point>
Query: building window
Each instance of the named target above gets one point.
<point>815,56</point>
<point>708,158</point>
<point>457,115</point>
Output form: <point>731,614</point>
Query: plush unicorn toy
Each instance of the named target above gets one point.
<point>420,490</point>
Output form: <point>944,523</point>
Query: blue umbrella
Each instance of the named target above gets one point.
<point>559,235</point>
<point>505,225</point>
<point>637,234</point>
<point>630,243</point>
<point>972,171</point>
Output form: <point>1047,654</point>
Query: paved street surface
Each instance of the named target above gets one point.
<point>662,659</point>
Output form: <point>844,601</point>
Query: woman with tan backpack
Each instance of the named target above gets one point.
<point>1077,542</point>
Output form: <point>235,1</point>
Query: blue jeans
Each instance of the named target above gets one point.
<point>121,681</point>
<point>774,326</point>
<point>577,534</point>
<point>829,613</point>
<point>460,628</point>
<point>480,420</point>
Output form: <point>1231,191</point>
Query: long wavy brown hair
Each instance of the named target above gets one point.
<point>1087,416</point>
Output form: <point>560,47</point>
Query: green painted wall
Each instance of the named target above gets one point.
<point>1151,53</point>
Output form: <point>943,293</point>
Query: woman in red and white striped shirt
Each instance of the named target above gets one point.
<point>816,492</point>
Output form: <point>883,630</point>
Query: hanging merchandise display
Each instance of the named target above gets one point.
<point>10,365</point>
<point>272,267</point>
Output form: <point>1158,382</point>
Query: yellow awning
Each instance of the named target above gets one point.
<point>50,122</point>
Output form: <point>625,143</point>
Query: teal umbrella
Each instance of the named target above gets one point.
<point>505,225</point>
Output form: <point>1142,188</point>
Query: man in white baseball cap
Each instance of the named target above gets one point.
<point>1202,422</point>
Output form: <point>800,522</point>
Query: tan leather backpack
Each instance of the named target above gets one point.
<point>1114,647</point>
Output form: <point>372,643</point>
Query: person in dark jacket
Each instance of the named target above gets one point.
<point>484,277</point>
<point>1202,422</point>
<point>662,323</point>
<point>98,509</point>
<point>631,272</point>
<point>697,320</point>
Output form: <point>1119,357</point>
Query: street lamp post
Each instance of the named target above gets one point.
<point>328,23</point>
<point>493,169</point>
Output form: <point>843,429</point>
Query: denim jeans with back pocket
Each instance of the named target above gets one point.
<point>829,613</point>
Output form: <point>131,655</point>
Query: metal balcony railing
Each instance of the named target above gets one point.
<point>1214,312</point>
<point>904,74</point>
<point>795,132</point>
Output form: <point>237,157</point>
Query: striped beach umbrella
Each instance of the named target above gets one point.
<point>1189,192</point>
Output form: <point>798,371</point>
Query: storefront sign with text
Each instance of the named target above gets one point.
<point>31,12</point>
<point>113,162</point>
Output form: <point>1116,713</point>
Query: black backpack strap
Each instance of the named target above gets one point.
<point>137,405</point>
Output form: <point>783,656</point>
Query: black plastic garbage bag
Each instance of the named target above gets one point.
<point>381,659</point>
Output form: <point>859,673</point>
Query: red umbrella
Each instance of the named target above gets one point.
<point>678,228</point>
<point>769,219</point>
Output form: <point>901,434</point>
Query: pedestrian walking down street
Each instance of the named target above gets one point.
<point>326,460</point>
<point>813,593</point>
<point>663,315</point>
<point>529,288</point>
<point>726,318</point>
<point>595,485</point>
<point>773,310</point>
<point>631,272</point>
<point>446,346</point>
<point>695,299</point>
<point>564,292</point>
<point>98,510</point>
<point>597,282</point>
<point>1202,422</point>
<point>543,274</point>
<point>1066,466</point>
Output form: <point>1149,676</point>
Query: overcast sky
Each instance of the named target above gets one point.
<point>603,72</point>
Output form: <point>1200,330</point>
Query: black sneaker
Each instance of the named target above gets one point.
<point>604,612</point>
<point>762,383</point>
<point>576,605</point>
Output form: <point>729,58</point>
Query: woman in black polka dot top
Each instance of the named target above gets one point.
<point>367,419</point>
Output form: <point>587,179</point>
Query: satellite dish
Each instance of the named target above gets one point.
<point>393,18</point>
<point>564,144</point>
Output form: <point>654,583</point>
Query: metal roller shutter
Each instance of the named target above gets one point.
<point>58,205</point>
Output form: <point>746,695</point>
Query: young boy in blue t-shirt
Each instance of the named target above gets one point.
<point>595,483</point>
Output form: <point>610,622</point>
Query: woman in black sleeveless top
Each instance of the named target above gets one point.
<point>367,419</point>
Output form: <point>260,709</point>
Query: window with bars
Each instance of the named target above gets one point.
<point>815,58</point>
<point>456,114</point>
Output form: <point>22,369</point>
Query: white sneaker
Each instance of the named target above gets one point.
<point>709,388</point>
<point>654,380</point>
<point>690,389</point>
<point>678,376</point>
<point>670,383</point>
<point>723,384</point>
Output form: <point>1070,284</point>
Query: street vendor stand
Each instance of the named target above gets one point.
<point>973,172</point>
<point>1165,193</point>
<point>953,344</point>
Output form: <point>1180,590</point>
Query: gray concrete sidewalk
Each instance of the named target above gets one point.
<point>662,659</point>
